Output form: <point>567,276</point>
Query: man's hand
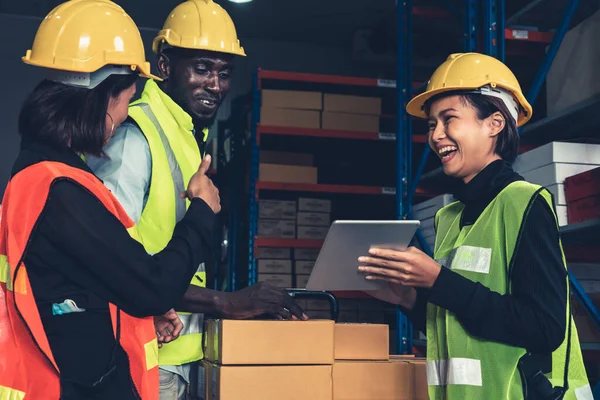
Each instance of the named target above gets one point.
<point>202,187</point>
<point>168,327</point>
<point>262,298</point>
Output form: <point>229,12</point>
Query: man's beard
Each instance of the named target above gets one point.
<point>204,123</point>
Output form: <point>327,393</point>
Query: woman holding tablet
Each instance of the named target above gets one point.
<point>494,302</point>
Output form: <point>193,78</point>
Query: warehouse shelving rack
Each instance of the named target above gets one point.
<point>478,36</point>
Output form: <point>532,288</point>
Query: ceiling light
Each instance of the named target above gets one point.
<point>240,1</point>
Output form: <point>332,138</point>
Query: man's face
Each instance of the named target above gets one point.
<point>199,81</point>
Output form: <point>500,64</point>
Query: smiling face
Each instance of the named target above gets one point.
<point>197,81</point>
<point>464,143</point>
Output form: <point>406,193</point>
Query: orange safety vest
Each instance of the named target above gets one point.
<point>27,367</point>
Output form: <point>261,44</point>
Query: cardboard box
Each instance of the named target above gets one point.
<point>284,253</point>
<point>582,185</point>
<point>286,158</point>
<point>558,192</point>
<point>292,99</point>
<point>428,208</point>
<point>349,122</point>
<point>558,153</point>
<point>256,342</point>
<point>419,376</point>
<point>280,280</point>
<point>352,104</point>
<point>306,254</point>
<point>312,232</point>
<point>584,209</point>
<point>304,267</point>
<point>314,205</point>
<point>383,380</point>
<point>290,382</point>
<point>275,266</point>
<point>287,173</point>
<point>561,214</point>
<point>275,228</point>
<point>301,281</point>
<point>277,209</point>
<point>313,219</point>
<point>362,342</point>
<point>555,173</point>
<point>290,118</point>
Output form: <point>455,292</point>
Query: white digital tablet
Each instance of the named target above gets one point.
<point>336,267</point>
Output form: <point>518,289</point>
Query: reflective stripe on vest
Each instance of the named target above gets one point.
<point>460,365</point>
<point>27,365</point>
<point>175,158</point>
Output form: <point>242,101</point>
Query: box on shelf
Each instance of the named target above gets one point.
<point>584,209</point>
<point>352,104</point>
<point>381,380</point>
<point>306,254</point>
<point>572,77</point>
<point>290,118</point>
<point>428,208</point>
<point>561,214</point>
<point>362,342</point>
<point>279,253</point>
<point>314,205</point>
<point>301,281</point>
<point>287,158</point>
<point>269,382</point>
<point>304,267</point>
<point>292,99</point>
<point>255,342</point>
<point>582,185</point>
<point>305,218</point>
<point>280,280</point>
<point>287,173</point>
<point>312,232</point>
<point>552,174</point>
<point>557,153</point>
<point>349,122</point>
<point>274,266</point>
<point>276,209</point>
<point>558,192</point>
<point>277,228</point>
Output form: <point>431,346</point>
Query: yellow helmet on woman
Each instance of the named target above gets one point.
<point>85,41</point>
<point>474,72</point>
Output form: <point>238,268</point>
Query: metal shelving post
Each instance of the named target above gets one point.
<point>403,145</point>
<point>254,166</point>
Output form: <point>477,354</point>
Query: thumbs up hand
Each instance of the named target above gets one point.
<point>202,187</point>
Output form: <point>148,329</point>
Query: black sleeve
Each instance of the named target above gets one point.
<point>418,314</point>
<point>533,316</point>
<point>106,260</point>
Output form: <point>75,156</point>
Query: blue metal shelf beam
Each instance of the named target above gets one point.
<point>253,220</point>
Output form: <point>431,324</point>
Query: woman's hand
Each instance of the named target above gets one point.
<point>168,327</point>
<point>410,267</point>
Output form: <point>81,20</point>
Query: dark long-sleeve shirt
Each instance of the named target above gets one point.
<point>533,314</point>
<point>80,251</point>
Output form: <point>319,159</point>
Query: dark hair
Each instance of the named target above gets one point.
<point>507,146</point>
<point>65,116</point>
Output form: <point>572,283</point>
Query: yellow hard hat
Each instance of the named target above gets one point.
<point>200,25</point>
<point>469,72</point>
<point>82,37</point>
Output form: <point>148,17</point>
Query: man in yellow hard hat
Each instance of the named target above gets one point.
<point>153,155</point>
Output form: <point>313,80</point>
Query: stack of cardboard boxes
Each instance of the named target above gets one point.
<point>314,110</point>
<point>307,360</point>
<point>582,193</point>
<point>550,165</point>
<point>305,218</point>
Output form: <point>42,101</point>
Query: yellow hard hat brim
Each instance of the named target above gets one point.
<point>167,36</point>
<point>416,107</point>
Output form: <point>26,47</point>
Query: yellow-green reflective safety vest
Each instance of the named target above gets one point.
<point>461,366</point>
<point>175,158</point>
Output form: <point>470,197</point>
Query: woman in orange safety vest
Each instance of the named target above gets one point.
<point>77,292</point>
